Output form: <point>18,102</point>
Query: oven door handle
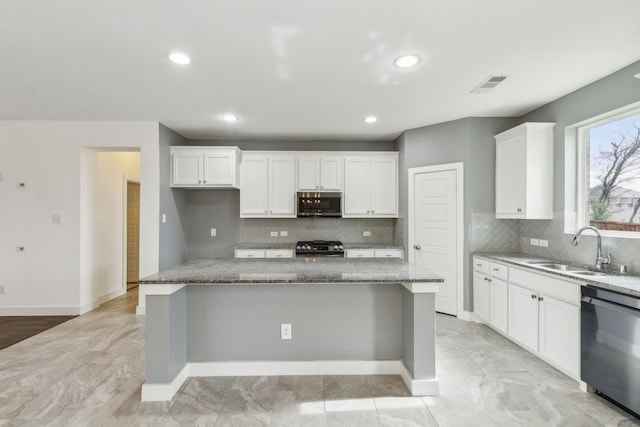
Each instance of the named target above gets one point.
<point>611,306</point>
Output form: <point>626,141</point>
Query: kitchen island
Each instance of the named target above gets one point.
<point>223,317</point>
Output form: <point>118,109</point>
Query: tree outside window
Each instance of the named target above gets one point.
<point>614,174</point>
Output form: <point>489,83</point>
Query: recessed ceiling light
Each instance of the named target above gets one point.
<point>370,119</point>
<point>179,58</point>
<point>230,118</point>
<point>406,61</point>
<point>637,76</point>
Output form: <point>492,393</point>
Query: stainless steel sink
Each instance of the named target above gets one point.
<point>587,273</point>
<point>559,267</point>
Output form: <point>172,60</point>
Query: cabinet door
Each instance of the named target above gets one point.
<point>384,189</point>
<point>186,168</point>
<point>278,253</point>
<point>388,253</point>
<point>253,192</point>
<point>331,173</point>
<point>219,168</point>
<point>249,253</point>
<point>498,304</point>
<point>360,253</point>
<point>356,187</point>
<point>559,334</point>
<point>308,173</point>
<point>282,190</point>
<point>481,297</point>
<point>523,316</point>
<point>510,177</point>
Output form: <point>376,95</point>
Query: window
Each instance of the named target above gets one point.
<point>608,169</point>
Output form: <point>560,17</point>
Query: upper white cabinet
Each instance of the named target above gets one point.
<point>268,186</point>
<point>524,172</point>
<point>205,167</point>
<point>320,173</point>
<point>371,186</point>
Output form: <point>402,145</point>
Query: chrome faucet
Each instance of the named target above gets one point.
<point>600,260</point>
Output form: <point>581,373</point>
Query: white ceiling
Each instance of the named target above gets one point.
<point>303,69</point>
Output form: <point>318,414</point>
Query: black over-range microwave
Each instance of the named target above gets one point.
<point>312,203</point>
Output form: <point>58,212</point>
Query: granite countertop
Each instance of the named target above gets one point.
<point>297,270</point>
<point>372,246</point>
<point>625,284</point>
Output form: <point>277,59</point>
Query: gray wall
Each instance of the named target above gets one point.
<point>469,141</point>
<point>301,145</point>
<point>173,234</point>
<point>243,322</point>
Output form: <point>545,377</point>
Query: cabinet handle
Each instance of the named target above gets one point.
<point>540,299</point>
<point>495,269</point>
<point>199,182</point>
<point>373,212</point>
<point>322,186</point>
<point>417,247</point>
<point>479,265</point>
<point>534,296</point>
<point>519,210</point>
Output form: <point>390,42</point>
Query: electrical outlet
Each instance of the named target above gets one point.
<point>57,219</point>
<point>366,233</point>
<point>534,242</point>
<point>274,234</point>
<point>543,243</point>
<point>20,248</point>
<point>214,232</point>
<point>284,233</point>
<point>285,331</point>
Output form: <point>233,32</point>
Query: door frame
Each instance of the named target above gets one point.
<point>459,169</point>
<point>125,180</point>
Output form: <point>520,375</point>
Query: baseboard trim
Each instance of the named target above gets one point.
<point>166,391</point>
<point>466,315</point>
<point>430,387</point>
<point>40,311</point>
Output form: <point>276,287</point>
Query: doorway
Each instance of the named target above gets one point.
<point>133,234</point>
<point>436,235</point>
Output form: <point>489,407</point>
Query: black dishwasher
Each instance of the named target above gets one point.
<point>610,346</point>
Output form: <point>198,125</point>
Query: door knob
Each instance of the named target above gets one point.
<point>417,247</point>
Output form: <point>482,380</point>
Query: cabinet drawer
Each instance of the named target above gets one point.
<point>388,253</point>
<point>499,271</point>
<point>481,265</point>
<point>360,253</point>
<point>565,290</point>
<point>250,253</point>
<point>278,253</point>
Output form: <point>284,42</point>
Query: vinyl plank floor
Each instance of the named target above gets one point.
<point>89,370</point>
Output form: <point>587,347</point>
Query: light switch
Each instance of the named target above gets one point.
<point>213,232</point>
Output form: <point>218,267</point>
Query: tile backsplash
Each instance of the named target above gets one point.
<point>348,230</point>
<point>489,234</point>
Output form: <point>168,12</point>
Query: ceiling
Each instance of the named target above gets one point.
<point>303,69</point>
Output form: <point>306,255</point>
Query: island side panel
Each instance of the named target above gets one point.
<point>419,334</point>
<point>329,322</point>
<point>166,336</point>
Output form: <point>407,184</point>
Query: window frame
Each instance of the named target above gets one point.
<point>577,170</point>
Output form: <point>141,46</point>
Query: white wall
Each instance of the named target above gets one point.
<point>54,275</point>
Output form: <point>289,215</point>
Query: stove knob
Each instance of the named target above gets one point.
<point>335,247</point>
<point>340,247</point>
<point>298,248</point>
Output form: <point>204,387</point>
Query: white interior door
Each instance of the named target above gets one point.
<point>435,233</point>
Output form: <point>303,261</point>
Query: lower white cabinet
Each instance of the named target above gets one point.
<point>544,316</point>
<point>538,311</point>
<point>373,253</point>
<point>490,293</point>
<point>264,253</point>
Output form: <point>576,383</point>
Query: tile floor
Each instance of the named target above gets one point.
<point>89,371</point>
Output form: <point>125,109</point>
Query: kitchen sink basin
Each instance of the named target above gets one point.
<point>588,273</point>
<point>559,267</point>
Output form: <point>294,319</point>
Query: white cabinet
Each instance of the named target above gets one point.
<point>374,253</point>
<point>524,172</point>
<point>544,316</point>
<point>264,253</point>
<point>267,186</point>
<point>371,186</point>
<point>490,293</point>
<point>205,167</point>
<point>320,173</point>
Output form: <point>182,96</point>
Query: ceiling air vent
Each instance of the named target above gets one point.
<point>487,85</point>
